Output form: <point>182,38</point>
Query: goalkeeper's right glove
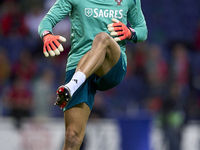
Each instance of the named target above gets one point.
<point>51,44</point>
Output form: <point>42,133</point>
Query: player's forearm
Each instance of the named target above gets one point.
<point>137,21</point>
<point>48,22</point>
<point>45,25</point>
<point>58,12</point>
<point>141,33</point>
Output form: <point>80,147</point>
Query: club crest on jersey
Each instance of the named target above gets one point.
<point>118,2</point>
<point>88,12</point>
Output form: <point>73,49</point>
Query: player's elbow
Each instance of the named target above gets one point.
<point>143,36</point>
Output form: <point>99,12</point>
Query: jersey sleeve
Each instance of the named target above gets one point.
<point>137,21</point>
<point>58,12</point>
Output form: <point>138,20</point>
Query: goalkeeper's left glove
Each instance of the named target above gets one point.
<point>120,30</point>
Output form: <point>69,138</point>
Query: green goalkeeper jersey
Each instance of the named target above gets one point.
<point>90,17</point>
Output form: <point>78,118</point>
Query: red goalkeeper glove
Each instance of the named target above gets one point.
<point>120,30</point>
<point>51,44</point>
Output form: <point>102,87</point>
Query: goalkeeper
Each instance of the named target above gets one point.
<point>97,59</point>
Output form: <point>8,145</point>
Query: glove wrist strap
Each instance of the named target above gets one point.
<point>133,33</point>
<point>45,33</point>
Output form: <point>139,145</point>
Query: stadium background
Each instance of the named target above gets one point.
<point>156,107</point>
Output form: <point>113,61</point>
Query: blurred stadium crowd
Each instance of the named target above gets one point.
<point>162,80</point>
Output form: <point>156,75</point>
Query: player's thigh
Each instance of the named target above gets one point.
<point>76,119</point>
<point>113,53</point>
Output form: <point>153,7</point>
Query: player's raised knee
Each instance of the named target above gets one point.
<point>102,37</point>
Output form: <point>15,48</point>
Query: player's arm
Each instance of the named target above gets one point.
<point>137,21</point>
<point>58,12</point>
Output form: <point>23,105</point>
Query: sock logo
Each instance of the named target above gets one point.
<point>75,80</point>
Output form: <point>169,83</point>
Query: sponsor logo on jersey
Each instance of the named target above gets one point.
<point>103,13</point>
<point>118,2</point>
<point>88,12</point>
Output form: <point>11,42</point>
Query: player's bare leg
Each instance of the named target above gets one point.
<point>75,122</point>
<point>104,54</point>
